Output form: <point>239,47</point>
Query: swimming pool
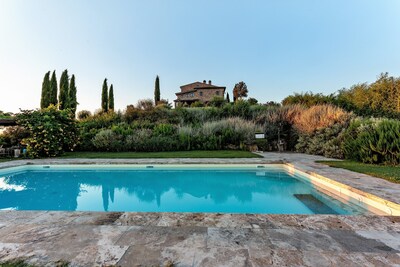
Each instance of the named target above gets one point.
<point>160,188</point>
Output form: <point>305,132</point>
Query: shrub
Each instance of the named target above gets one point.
<point>217,101</point>
<point>145,104</point>
<point>319,117</point>
<point>107,140</point>
<point>136,141</point>
<point>131,113</point>
<point>164,129</point>
<point>51,131</point>
<point>325,142</point>
<point>241,109</point>
<point>84,114</point>
<point>13,136</point>
<point>146,140</point>
<point>197,104</point>
<point>373,141</point>
<point>225,133</point>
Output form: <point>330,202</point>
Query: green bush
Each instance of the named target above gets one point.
<point>108,140</point>
<point>325,142</point>
<point>164,129</point>
<point>197,104</point>
<point>51,131</point>
<point>84,114</point>
<point>13,136</point>
<point>373,141</point>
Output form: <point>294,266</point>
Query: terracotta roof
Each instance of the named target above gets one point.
<point>189,91</point>
<point>186,100</point>
<point>202,85</point>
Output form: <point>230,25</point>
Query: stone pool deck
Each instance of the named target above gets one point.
<point>195,239</point>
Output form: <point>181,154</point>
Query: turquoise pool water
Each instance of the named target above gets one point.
<point>164,189</point>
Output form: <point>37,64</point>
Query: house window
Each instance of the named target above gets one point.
<point>201,93</point>
<point>217,92</point>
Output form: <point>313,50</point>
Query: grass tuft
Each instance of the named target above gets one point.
<point>390,173</point>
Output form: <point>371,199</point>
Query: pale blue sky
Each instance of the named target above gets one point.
<point>276,47</point>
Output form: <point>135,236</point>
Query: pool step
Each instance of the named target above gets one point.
<point>314,204</point>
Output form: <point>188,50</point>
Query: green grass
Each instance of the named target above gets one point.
<point>22,263</point>
<point>5,159</point>
<point>390,173</point>
<point>174,154</point>
<point>15,263</point>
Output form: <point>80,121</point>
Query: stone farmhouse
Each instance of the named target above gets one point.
<point>197,91</point>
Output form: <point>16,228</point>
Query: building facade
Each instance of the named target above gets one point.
<point>198,91</point>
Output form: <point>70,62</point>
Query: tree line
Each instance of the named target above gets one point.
<point>379,99</point>
<point>66,98</point>
<point>107,97</point>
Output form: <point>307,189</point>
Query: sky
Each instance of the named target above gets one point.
<point>276,47</point>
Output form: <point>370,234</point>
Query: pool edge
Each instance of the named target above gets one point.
<point>343,190</point>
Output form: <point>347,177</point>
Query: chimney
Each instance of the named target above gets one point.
<point>209,82</point>
<point>204,81</point>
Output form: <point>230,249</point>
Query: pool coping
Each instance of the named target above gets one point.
<point>342,190</point>
<point>199,239</point>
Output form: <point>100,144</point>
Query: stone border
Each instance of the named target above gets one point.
<point>352,194</point>
<point>358,197</point>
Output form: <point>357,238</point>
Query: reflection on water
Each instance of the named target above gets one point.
<point>136,190</point>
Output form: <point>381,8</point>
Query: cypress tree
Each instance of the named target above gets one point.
<point>157,91</point>
<point>64,88</point>
<point>104,96</point>
<point>228,98</point>
<point>45,99</point>
<point>53,89</point>
<point>72,95</point>
<point>111,98</point>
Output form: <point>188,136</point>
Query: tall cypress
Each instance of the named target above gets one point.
<point>72,95</point>
<point>104,96</point>
<point>64,88</point>
<point>157,91</point>
<point>53,89</point>
<point>45,99</point>
<point>111,98</point>
<point>228,99</point>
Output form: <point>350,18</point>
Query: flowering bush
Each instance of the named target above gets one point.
<point>51,131</point>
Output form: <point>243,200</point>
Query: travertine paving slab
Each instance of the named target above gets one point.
<point>45,238</point>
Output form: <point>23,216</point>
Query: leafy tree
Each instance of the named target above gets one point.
<point>111,98</point>
<point>104,96</point>
<point>51,131</point>
<point>84,114</point>
<point>240,91</point>
<point>64,89</point>
<point>228,100</point>
<point>145,104</point>
<point>72,103</point>
<point>157,96</point>
<point>53,90</point>
<point>5,115</point>
<point>163,103</point>
<point>46,90</point>
<point>308,99</point>
<point>272,104</point>
<point>252,101</point>
<point>380,98</point>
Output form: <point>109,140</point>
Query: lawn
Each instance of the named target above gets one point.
<point>390,173</point>
<point>174,154</point>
